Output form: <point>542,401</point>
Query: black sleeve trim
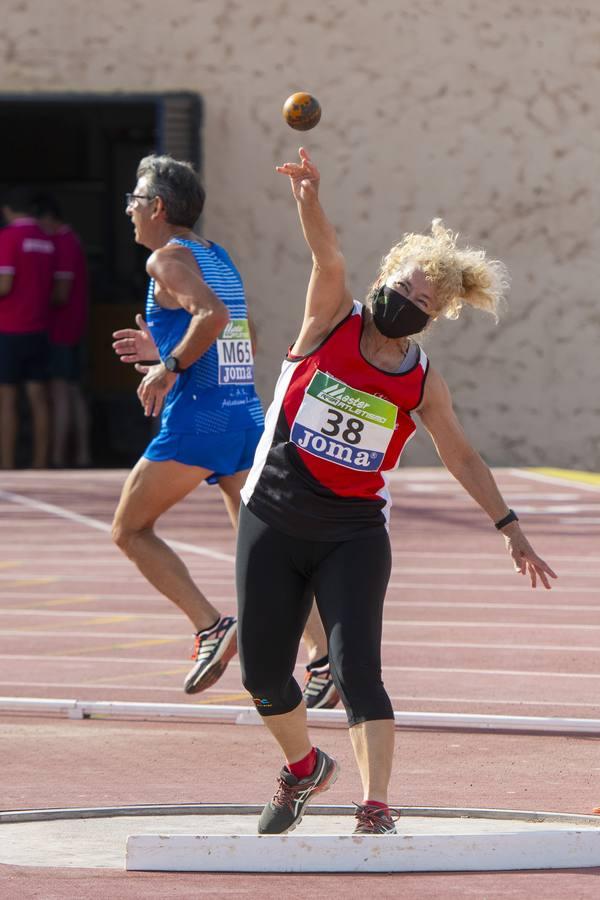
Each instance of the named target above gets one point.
<point>420,400</point>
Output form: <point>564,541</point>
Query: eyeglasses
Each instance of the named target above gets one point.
<point>129,198</point>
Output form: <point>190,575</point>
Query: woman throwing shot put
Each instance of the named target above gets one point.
<point>315,505</point>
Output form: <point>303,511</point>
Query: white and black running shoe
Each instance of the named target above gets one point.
<point>319,691</point>
<point>212,651</point>
<point>375,820</point>
<point>285,810</point>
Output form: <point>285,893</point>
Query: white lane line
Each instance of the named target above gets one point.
<point>31,548</point>
<point>443,493</point>
<point>458,604</point>
<point>459,624</point>
<point>564,509</point>
<point>152,688</point>
<point>90,522</point>
<point>93,634</point>
<point>92,598</point>
<point>442,670</point>
<point>395,698</point>
<point>33,477</point>
<point>83,660</point>
<point>400,623</point>
<point>42,566</point>
<point>49,548</point>
<point>421,554</point>
<point>518,588</point>
<point>465,645</point>
<point>418,474</point>
<point>65,597</point>
<point>131,575</point>
<point>85,685</point>
<point>511,673</point>
<point>556,479</point>
<point>89,614</point>
<point>580,523</point>
<point>505,570</point>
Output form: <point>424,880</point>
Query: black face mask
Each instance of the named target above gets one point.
<point>395,316</point>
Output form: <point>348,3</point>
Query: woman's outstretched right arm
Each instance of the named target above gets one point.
<point>328,300</point>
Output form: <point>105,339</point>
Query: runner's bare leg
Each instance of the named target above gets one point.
<point>150,490</point>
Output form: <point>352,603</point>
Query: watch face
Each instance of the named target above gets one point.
<point>171,363</point>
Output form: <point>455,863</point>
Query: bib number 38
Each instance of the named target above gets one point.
<point>343,425</point>
<point>334,425</point>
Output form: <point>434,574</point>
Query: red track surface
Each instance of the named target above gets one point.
<point>463,633</point>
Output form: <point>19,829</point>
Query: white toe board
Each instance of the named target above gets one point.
<point>466,850</point>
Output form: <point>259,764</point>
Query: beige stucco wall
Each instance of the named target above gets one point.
<point>482,111</point>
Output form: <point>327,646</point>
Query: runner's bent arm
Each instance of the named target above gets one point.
<point>328,300</point>
<point>469,469</point>
<point>177,276</point>
<point>176,273</point>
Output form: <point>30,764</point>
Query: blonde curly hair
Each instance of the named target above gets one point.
<point>459,275</point>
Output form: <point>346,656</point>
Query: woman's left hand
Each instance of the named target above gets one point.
<point>525,559</point>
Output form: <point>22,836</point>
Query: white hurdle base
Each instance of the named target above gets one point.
<point>246,715</point>
<point>547,849</point>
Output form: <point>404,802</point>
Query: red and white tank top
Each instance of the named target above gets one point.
<point>336,425</point>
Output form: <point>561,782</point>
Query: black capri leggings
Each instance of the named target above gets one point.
<point>276,576</point>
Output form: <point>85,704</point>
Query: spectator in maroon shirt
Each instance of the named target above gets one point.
<point>27,265</point>
<point>68,321</point>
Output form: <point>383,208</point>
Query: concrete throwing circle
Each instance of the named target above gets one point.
<point>222,837</point>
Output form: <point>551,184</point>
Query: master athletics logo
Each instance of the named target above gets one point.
<point>337,392</point>
<point>341,396</point>
<point>236,330</point>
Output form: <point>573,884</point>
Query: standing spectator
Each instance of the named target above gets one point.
<point>68,320</point>
<point>27,263</point>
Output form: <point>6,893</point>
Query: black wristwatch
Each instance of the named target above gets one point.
<point>510,517</point>
<point>171,364</point>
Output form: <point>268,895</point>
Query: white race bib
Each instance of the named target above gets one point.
<point>343,425</point>
<point>234,348</point>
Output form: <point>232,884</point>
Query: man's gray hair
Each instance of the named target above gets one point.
<point>178,186</point>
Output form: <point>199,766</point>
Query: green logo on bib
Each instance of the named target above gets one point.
<point>236,330</point>
<point>356,403</point>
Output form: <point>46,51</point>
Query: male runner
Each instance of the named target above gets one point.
<point>204,387</point>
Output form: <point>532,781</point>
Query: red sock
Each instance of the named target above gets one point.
<point>376,803</point>
<point>305,766</point>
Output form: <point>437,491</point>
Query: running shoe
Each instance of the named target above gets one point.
<point>375,820</point>
<point>285,810</point>
<point>212,651</point>
<point>319,690</point>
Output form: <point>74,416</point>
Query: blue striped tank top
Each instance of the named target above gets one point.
<point>216,394</point>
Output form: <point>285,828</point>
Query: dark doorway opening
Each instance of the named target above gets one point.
<point>84,149</point>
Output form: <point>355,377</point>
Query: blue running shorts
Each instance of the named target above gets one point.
<point>223,454</point>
